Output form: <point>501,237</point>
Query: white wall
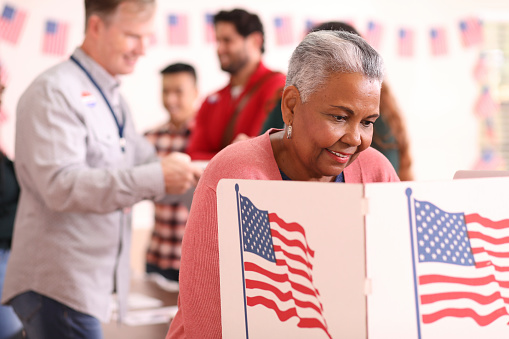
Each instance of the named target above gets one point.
<point>436,94</point>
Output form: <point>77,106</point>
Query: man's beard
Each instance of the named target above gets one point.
<point>235,66</point>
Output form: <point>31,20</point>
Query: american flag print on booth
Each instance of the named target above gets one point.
<point>11,23</point>
<point>462,266</point>
<point>177,29</point>
<point>471,31</point>
<point>278,267</point>
<point>374,34</point>
<point>55,38</point>
<point>438,40</point>
<point>284,32</point>
<point>406,42</point>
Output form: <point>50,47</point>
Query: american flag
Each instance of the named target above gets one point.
<point>11,23</point>
<point>308,26</point>
<point>210,33</point>
<point>438,39</point>
<point>284,33</point>
<point>55,38</point>
<point>374,34</point>
<point>462,265</point>
<point>471,31</point>
<point>177,29</point>
<point>481,69</point>
<point>486,106</point>
<point>406,42</point>
<point>278,267</point>
<point>4,75</point>
<point>489,160</point>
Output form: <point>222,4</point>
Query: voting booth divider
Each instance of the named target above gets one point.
<point>381,260</point>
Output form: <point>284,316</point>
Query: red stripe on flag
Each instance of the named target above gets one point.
<point>498,225</point>
<point>285,315</point>
<point>283,296</point>
<point>436,278</point>
<point>293,256</point>
<point>478,250</point>
<point>481,320</point>
<point>248,266</point>
<point>479,298</point>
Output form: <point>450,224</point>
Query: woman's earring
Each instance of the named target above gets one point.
<point>289,134</point>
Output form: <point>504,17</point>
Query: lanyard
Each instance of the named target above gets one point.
<point>120,126</point>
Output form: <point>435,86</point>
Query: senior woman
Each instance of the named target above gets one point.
<point>329,104</point>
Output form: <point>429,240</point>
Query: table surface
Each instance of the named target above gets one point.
<point>149,288</point>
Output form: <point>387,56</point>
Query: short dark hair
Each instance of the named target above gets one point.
<point>245,23</point>
<point>180,67</point>
<point>104,8</point>
<point>335,26</point>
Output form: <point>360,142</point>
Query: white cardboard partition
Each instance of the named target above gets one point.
<point>391,260</point>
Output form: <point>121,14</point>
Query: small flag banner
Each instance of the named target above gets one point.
<point>461,265</point>
<point>55,38</point>
<point>278,266</point>
<point>438,39</point>
<point>11,23</point>
<point>4,75</point>
<point>489,160</point>
<point>489,126</point>
<point>4,116</point>
<point>308,26</point>
<point>486,106</point>
<point>210,33</point>
<point>406,42</point>
<point>374,34</point>
<point>471,31</point>
<point>177,29</point>
<point>481,69</point>
<point>283,28</point>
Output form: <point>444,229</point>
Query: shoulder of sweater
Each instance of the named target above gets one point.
<point>250,159</point>
<point>371,166</point>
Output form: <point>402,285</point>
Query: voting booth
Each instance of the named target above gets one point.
<point>382,260</point>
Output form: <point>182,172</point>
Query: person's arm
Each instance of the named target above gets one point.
<point>199,147</point>
<point>199,314</point>
<point>54,148</point>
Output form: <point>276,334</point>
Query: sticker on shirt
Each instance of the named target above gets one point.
<point>212,99</point>
<point>88,99</point>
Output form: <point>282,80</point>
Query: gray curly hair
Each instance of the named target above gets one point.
<point>324,53</point>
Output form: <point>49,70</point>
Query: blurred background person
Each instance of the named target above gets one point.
<point>330,103</point>
<point>10,325</point>
<point>179,94</point>
<point>389,134</point>
<point>81,165</point>
<point>238,110</point>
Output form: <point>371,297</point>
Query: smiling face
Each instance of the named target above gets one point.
<point>122,37</point>
<point>179,95</point>
<point>232,48</point>
<point>331,128</point>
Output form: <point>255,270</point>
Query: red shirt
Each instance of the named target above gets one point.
<point>217,110</point>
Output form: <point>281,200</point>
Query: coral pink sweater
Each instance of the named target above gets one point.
<point>199,314</point>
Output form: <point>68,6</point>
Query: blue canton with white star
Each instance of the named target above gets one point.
<point>442,236</point>
<point>256,230</point>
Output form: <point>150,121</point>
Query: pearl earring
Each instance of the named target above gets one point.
<point>289,134</point>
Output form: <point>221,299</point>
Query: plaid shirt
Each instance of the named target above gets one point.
<point>170,219</point>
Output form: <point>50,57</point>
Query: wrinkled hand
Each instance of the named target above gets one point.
<point>179,173</point>
<point>240,137</point>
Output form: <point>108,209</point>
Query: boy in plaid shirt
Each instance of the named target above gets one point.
<point>179,93</point>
